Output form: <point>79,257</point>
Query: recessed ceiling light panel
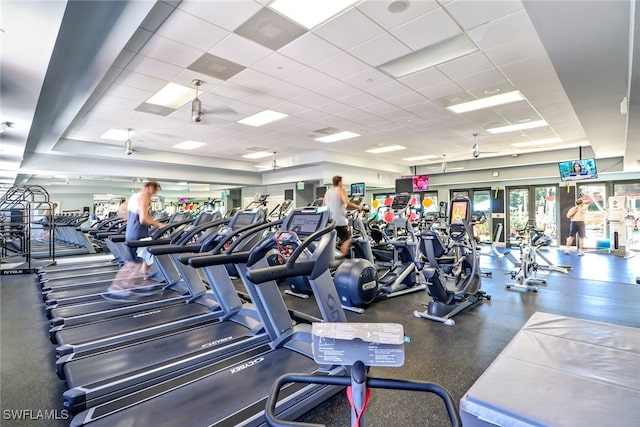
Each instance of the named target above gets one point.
<point>386,149</point>
<point>340,136</point>
<point>490,101</point>
<point>116,135</point>
<point>172,96</point>
<point>520,126</point>
<point>536,143</point>
<point>257,155</point>
<point>262,118</point>
<point>309,14</point>
<point>189,145</point>
<point>414,159</point>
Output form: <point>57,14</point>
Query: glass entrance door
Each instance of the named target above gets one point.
<point>518,199</point>
<point>482,203</point>
<point>546,214</point>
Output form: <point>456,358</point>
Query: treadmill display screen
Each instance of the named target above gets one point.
<point>305,224</point>
<point>244,219</point>
<point>459,212</point>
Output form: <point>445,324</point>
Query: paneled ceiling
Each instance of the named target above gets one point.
<point>71,71</point>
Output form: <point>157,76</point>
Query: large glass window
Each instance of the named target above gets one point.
<point>632,223</point>
<point>595,218</point>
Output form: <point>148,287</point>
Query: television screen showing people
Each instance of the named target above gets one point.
<point>575,170</point>
<point>357,189</point>
<point>420,183</point>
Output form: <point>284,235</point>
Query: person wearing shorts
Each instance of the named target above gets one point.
<point>337,201</point>
<point>576,214</point>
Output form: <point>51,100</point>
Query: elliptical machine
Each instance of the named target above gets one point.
<point>457,262</point>
<point>357,279</point>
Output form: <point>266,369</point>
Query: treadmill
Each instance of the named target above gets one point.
<point>86,308</point>
<point>234,391</point>
<point>199,305</point>
<point>96,377</point>
<point>85,282</point>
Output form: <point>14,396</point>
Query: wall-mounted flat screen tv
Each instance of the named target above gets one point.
<point>357,189</point>
<point>575,170</point>
<point>420,183</point>
<point>404,185</point>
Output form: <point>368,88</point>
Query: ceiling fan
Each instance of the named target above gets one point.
<point>197,112</point>
<point>476,147</point>
<point>443,167</point>
<point>273,166</point>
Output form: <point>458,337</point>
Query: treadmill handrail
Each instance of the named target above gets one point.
<point>173,249</point>
<point>199,261</point>
<point>261,275</point>
<point>251,229</point>
<point>344,381</point>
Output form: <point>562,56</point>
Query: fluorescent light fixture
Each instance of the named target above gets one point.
<point>519,126</point>
<point>490,101</point>
<point>189,145</point>
<point>386,149</point>
<point>173,96</point>
<point>257,155</point>
<point>262,118</point>
<point>117,135</point>
<point>430,56</point>
<point>309,14</point>
<point>413,159</point>
<point>337,137</point>
<point>535,143</point>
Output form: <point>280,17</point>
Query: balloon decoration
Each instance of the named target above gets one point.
<point>412,216</point>
<point>413,202</point>
<point>388,201</point>
<point>427,202</point>
<point>375,204</point>
<point>388,216</point>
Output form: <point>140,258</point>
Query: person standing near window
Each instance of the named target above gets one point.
<point>576,214</point>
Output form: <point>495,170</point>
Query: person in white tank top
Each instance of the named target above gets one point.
<point>337,201</point>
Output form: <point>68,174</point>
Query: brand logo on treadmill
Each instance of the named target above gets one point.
<point>148,313</point>
<point>216,342</point>
<point>246,365</point>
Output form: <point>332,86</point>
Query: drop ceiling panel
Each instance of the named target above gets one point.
<point>270,29</point>
<point>377,11</point>
<point>240,50</point>
<point>310,49</point>
<point>504,30</point>
<point>153,68</point>
<point>253,80</point>
<point>513,51</point>
<point>440,90</point>
<point>470,14</point>
<point>140,81</point>
<point>485,83</point>
<point>378,108</point>
<point>427,29</point>
<point>278,66</point>
<point>227,14</point>
<point>465,66</point>
<point>311,99</point>
<point>311,79</point>
<point>390,89</point>
<point>368,79</point>
<point>340,30</point>
<point>130,93</point>
<point>190,30</point>
<point>342,66</point>
<point>379,50</point>
<point>424,78</point>
<point>358,99</point>
<point>170,51</point>
<point>406,99</point>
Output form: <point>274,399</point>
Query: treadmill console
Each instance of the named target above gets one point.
<point>401,202</point>
<point>306,221</point>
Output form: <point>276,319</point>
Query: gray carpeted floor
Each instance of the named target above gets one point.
<point>600,287</point>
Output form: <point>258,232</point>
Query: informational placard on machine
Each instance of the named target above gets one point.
<point>374,344</point>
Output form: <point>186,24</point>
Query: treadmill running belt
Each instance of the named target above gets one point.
<point>132,322</point>
<point>125,361</point>
<point>210,400</point>
<point>102,304</point>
